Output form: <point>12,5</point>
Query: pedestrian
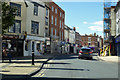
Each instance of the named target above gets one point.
<point>9,56</point>
<point>4,53</point>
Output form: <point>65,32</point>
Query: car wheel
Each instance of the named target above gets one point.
<point>78,57</point>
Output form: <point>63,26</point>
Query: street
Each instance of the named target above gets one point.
<point>69,66</point>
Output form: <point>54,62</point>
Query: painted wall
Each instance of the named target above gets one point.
<point>22,17</point>
<point>40,18</point>
<point>118,22</point>
<point>113,22</point>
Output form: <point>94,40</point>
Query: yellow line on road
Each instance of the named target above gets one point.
<point>42,75</point>
<point>46,66</point>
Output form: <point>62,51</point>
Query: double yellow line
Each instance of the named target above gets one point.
<point>45,66</point>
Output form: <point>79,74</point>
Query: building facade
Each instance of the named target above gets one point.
<point>117,37</point>
<point>72,40</point>
<point>28,32</point>
<point>77,41</point>
<point>56,27</point>
<point>92,41</point>
<point>66,38</point>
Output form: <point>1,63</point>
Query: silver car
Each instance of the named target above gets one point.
<point>85,53</point>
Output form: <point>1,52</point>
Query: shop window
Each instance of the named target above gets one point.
<point>26,45</point>
<point>38,46</point>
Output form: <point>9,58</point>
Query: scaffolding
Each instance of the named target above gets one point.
<point>107,20</point>
<point>107,26</point>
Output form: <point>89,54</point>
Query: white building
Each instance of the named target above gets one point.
<point>72,41</point>
<point>117,37</point>
<point>35,28</point>
<point>66,38</point>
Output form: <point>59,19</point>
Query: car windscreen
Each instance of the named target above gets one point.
<point>85,50</point>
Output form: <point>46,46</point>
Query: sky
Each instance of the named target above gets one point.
<point>87,17</point>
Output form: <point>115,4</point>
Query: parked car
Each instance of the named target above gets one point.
<point>85,53</point>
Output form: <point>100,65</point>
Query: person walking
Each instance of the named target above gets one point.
<point>4,53</point>
<point>9,55</point>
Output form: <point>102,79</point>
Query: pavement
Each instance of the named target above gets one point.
<point>22,66</point>
<point>109,58</point>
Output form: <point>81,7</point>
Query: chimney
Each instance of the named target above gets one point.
<point>94,34</point>
<point>74,29</point>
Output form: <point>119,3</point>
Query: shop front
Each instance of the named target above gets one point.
<point>13,44</point>
<point>34,44</point>
<point>117,43</point>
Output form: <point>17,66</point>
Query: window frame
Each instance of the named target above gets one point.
<point>18,12</point>
<point>52,19</point>
<point>52,8</point>
<point>35,10</point>
<point>55,21</point>
<point>46,11</point>
<point>46,21</point>
<point>14,27</point>
<point>34,28</point>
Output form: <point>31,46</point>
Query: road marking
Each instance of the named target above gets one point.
<point>42,75</point>
<point>46,66</point>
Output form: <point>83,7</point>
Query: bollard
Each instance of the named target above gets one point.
<point>32,58</point>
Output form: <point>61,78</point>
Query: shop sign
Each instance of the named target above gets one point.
<point>117,39</point>
<point>35,38</point>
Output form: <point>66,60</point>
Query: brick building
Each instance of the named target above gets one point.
<point>93,41</point>
<point>77,39</point>
<point>56,26</point>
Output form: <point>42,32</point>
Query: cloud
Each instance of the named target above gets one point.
<point>85,22</point>
<point>96,28</point>
<point>98,23</point>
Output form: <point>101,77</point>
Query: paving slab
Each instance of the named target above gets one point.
<point>109,58</point>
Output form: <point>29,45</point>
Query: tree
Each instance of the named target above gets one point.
<point>8,16</point>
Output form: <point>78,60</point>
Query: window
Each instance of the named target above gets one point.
<point>63,16</point>
<point>60,23</point>
<point>16,28</point>
<point>89,39</point>
<point>55,21</point>
<point>35,10</point>
<point>60,14</point>
<point>46,21</point>
<point>46,12</point>
<point>55,32</point>
<point>51,31</point>
<point>18,7</point>
<point>34,27</point>
<point>38,46</point>
<point>52,20</point>
<point>52,8</point>
<point>56,11</point>
<point>26,45</point>
<point>62,35</point>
